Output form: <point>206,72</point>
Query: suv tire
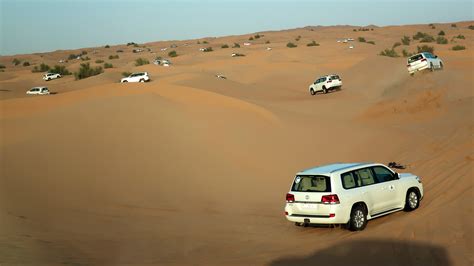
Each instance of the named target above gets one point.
<point>325,90</point>
<point>124,81</point>
<point>358,219</point>
<point>142,80</point>
<point>312,92</point>
<point>412,200</point>
<point>432,67</point>
<point>441,66</point>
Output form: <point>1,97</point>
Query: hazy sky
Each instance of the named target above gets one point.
<point>28,26</point>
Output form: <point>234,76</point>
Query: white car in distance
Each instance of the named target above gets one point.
<point>423,61</point>
<point>136,77</point>
<point>325,84</point>
<point>38,91</point>
<point>50,76</point>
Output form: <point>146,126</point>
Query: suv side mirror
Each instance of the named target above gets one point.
<point>397,175</point>
<point>436,56</point>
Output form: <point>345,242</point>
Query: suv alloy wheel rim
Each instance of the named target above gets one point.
<point>412,199</point>
<point>359,218</point>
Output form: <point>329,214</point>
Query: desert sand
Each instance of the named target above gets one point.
<point>189,169</point>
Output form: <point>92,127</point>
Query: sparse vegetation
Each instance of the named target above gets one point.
<point>258,36</point>
<point>453,25</point>
<point>298,38</point>
<point>471,27</point>
<point>291,45</point>
<point>354,30</point>
<point>313,43</point>
<point>405,53</point>
<point>371,42</point>
<point>396,44</point>
<point>251,38</point>
<point>141,61</point>
<point>432,26</point>
<point>86,71</point>
<point>441,33</point>
<point>225,46</point>
<point>131,43</point>
<point>85,58</point>
<point>427,38</point>
<point>441,40</point>
<point>126,74</point>
<point>99,61</point>
<point>425,48</point>
<point>111,57</point>
<point>236,45</point>
<point>405,40</point>
<point>83,52</point>
<point>72,56</point>
<point>364,29</point>
<point>107,46</point>
<point>2,66</point>
<point>389,53</point>
<point>16,61</point>
<point>267,42</point>
<point>361,39</point>
<point>173,54</point>
<point>62,70</point>
<point>205,42</point>
<point>119,51</point>
<point>42,68</point>
<point>26,63</point>
<point>423,36</point>
<point>460,37</point>
<point>458,48</point>
<point>108,65</point>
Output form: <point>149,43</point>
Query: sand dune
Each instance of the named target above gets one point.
<point>191,169</point>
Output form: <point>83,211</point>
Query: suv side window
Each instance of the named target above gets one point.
<point>366,176</point>
<point>349,180</point>
<point>383,174</point>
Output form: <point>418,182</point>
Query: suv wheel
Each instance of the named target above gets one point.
<point>358,219</point>
<point>440,66</point>
<point>412,200</point>
<point>312,92</point>
<point>432,67</point>
<point>124,81</point>
<point>325,90</point>
<point>142,80</point>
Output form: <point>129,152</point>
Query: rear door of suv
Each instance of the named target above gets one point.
<point>308,191</point>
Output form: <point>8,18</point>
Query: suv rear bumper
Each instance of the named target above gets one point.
<point>321,217</point>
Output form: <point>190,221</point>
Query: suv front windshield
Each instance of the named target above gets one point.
<point>312,183</point>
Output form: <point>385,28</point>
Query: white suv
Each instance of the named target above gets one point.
<point>423,61</point>
<point>350,194</point>
<point>50,76</point>
<point>325,83</point>
<point>136,77</point>
<point>38,90</point>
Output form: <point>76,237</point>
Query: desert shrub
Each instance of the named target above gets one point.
<point>205,42</point>
<point>371,42</point>
<point>354,30</point>
<point>425,48</point>
<point>108,65</point>
<point>267,42</point>
<point>198,42</point>
<point>298,38</point>
<point>225,46</point>
<point>208,49</point>
<point>126,74</point>
<point>405,53</point>
<point>99,61</point>
<point>441,40</point>
<point>389,53</point>
<point>458,47</point>
<point>173,54</point>
<point>42,68</point>
<point>313,43</point>
<point>396,44</point>
<point>2,66</point>
<point>427,38</point>
<point>257,36</point>
<point>62,70</point>
<point>441,33</point>
<point>111,57</point>
<point>420,35</point>
<point>361,39</point>
<point>26,63</point>
<point>72,56</point>
<point>86,71</point>
<point>141,61</point>
<point>405,40</point>
<point>291,45</point>
<point>460,37</point>
<point>453,25</point>
<point>16,61</point>
<point>236,45</point>
<point>119,51</point>
<point>107,46</point>
<point>85,58</point>
<point>83,52</point>
<point>131,43</point>
<point>251,38</point>
<point>471,27</point>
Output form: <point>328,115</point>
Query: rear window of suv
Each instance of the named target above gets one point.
<point>312,183</point>
<point>415,58</point>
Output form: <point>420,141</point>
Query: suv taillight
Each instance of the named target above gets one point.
<point>330,199</point>
<point>424,59</point>
<point>290,197</point>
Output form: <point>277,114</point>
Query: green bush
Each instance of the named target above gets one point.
<point>130,43</point>
<point>453,25</point>
<point>427,38</point>
<point>471,27</point>
<point>141,61</point>
<point>460,37</point>
<point>72,56</point>
<point>361,39</point>
<point>458,47</point>
<point>425,48</point>
<point>60,70</point>
<point>107,46</point>
<point>432,26</point>
<point>26,63</point>
<point>108,65</point>
<point>16,61</point>
<point>86,71</point>
<point>225,46</point>
<point>251,38</point>
<point>2,66</point>
<point>42,68</point>
<point>406,54</point>
<point>99,61</point>
<point>313,43</point>
<point>85,58</point>
<point>173,54</point>
<point>389,53</point>
<point>111,57</point>
<point>205,42</point>
<point>396,44</point>
<point>258,36</point>
<point>298,38</point>
<point>126,74</point>
<point>441,33</point>
<point>371,42</point>
<point>83,52</point>
<point>420,35</point>
<point>236,45</point>
<point>405,40</point>
<point>291,45</point>
<point>441,40</point>
<point>354,30</point>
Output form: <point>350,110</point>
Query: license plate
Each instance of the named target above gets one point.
<point>309,206</point>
